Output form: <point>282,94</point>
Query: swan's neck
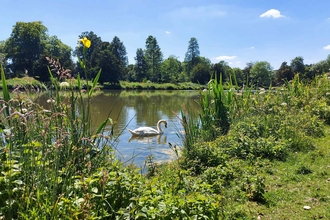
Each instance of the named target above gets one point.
<point>159,128</point>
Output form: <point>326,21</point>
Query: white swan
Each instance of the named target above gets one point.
<point>149,131</point>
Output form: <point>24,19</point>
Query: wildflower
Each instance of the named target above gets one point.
<point>85,42</point>
<point>50,100</point>
<point>24,110</point>
<point>284,104</point>
<point>7,131</point>
<point>64,84</point>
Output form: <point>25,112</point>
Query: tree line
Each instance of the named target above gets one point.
<point>29,49</point>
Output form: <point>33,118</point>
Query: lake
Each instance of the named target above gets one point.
<point>135,108</point>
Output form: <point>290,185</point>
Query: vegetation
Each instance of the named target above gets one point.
<point>24,54</point>
<point>250,154</point>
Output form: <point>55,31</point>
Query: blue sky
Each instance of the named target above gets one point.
<point>237,31</point>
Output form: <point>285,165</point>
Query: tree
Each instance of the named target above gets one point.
<point>56,50</point>
<point>261,73</point>
<point>297,65</point>
<point>192,54</point>
<point>201,73</point>
<point>283,73</point>
<point>222,69</point>
<point>154,58</point>
<point>247,72</point>
<point>239,76</point>
<point>104,59</point>
<point>171,69</point>
<point>119,50</point>
<point>141,66</point>
<point>24,47</point>
<point>95,43</point>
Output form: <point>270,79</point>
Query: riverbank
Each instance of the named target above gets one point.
<point>31,83</point>
<point>249,155</point>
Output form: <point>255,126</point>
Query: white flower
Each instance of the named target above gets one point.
<point>50,100</point>
<point>24,110</point>
<point>64,84</point>
<point>284,104</point>
<point>7,131</point>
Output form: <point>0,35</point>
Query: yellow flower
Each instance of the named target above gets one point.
<point>85,42</point>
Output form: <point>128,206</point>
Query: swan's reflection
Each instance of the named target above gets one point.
<point>161,139</point>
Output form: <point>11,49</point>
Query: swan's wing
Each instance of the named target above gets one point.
<point>144,131</point>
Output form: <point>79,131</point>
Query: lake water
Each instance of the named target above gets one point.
<point>133,109</point>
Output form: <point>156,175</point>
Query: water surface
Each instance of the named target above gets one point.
<point>133,109</point>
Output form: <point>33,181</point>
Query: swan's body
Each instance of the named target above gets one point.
<point>149,131</point>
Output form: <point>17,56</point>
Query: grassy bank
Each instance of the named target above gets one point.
<point>249,155</point>
<point>31,83</point>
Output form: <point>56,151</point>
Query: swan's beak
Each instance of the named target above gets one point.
<point>166,125</point>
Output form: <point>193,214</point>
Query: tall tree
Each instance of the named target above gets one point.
<point>2,53</point>
<point>247,72</point>
<point>119,50</point>
<point>95,43</point>
<point>154,58</point>
<point>103,58</point>
<point>283,73</point>
<point>170,69</point>
<point>201,73</point>
<point>25,46</point>
<point>261,73</point>
<point>222,69</point>
<point>192,54</point>
<point>297,65</point>
<point>141,66</point>
<point>56,50</point>
<point>239,76</point>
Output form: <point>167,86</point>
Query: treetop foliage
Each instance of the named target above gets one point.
<point>24,54</point>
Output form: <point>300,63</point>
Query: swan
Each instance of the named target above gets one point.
<point>149,131</point>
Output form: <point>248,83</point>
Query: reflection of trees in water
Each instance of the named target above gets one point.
<point>151,107</point>
<point>148,106</point>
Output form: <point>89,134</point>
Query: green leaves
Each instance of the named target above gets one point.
<point>6,96</point>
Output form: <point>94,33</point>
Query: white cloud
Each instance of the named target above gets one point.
<point>167,32</point>
<point>225,57</point>
<point>327,47</point>
<point>272,13</point>
<point>251,48</point>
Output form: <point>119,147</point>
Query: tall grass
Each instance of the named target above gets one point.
<point>46,153</point>
<point>249,124</point>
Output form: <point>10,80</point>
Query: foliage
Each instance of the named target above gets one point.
<point>222,70</point>
<point>200,73</point>
<point>171,68</point>
<point>269,156</point>
<point>192,55</point>
<point>141,66</point>
<point>283,73</point>
<point>153,57</point>
<point>261,74</point>
<point>27,48</point>
<point>24,47</point>
<point>297,65</point>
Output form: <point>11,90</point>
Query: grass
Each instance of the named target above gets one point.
<point>289,190</point>
<point>32,83</point>
<point>248,155</point>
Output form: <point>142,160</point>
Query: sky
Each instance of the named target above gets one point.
<point>236,31</point>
